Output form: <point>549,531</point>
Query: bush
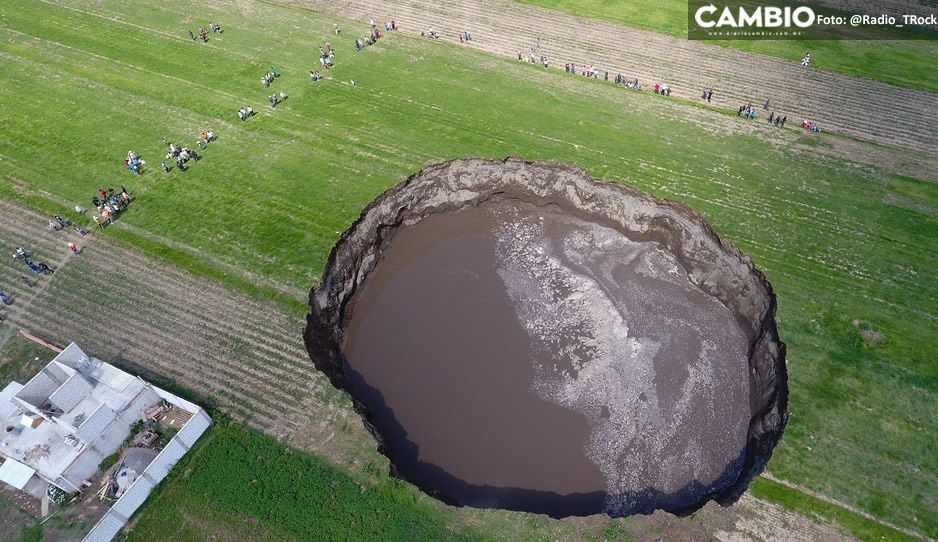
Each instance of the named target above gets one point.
<point>109,461</point>
<point>59,496</point>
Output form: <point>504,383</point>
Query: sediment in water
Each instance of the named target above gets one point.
<point>663,436</point>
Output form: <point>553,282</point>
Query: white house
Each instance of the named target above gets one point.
<point>78,410</point>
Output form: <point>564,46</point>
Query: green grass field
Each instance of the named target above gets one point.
<point>840,241</point>
<point>236,473</point>
<point>906,63</point>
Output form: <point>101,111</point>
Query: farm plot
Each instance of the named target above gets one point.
<point>163,323</point>
<point>860,107</point>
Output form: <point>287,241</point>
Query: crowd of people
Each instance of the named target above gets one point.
<point>41,268</point>
<point>746,110</point>
<point>585,71</point>
<point>276,98</point>
<point>203,34</point>
<point>777,120</point>
<point>270,76</point>
<point>595,73</point>
<point>109,205</point>
<point>180,156</point>
<point>813,126</point>
<point>245,112</point>
<point>534,54</point>
<point>373,36</point>
<point>326,53</point>
<point>57,223</point>
<point>134,163</point>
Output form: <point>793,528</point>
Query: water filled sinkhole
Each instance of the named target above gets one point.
<point>521,336</point>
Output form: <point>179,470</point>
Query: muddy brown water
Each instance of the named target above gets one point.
<point>520,357</point>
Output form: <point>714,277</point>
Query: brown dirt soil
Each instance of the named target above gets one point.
<point>761,520</point>
<point>859,107</point>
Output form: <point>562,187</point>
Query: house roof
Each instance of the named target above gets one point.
<point>15,473</point>
<point>74,412</point>
<point>7,407</point>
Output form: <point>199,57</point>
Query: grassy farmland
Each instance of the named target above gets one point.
<point>236,473</point>
<point>895,62</point>
<point>840,240</point>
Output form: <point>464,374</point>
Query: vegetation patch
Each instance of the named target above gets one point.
<point>298,495</point>
<point>861,527</point>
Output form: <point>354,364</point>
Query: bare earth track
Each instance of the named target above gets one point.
<point>863,108</point>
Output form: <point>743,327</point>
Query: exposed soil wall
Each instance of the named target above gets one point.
<point>713,265</point>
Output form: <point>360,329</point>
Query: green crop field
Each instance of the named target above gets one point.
<point>850,246</point>
<point>898,62</point>
<point>236,473</point>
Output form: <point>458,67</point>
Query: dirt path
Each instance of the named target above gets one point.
<point>841,504</point>
<point>859,107</point>
<point>756,519</point>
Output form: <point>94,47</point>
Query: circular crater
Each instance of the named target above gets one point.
<point>519,335</point>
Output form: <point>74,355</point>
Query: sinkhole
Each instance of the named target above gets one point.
<point>519,335</point>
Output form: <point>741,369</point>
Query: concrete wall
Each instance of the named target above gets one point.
<point>115,518</point>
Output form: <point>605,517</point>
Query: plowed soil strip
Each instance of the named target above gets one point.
<point>125,307</point>
<point>863,108</point>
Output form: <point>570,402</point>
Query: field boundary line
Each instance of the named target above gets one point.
<point>830,500</point>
